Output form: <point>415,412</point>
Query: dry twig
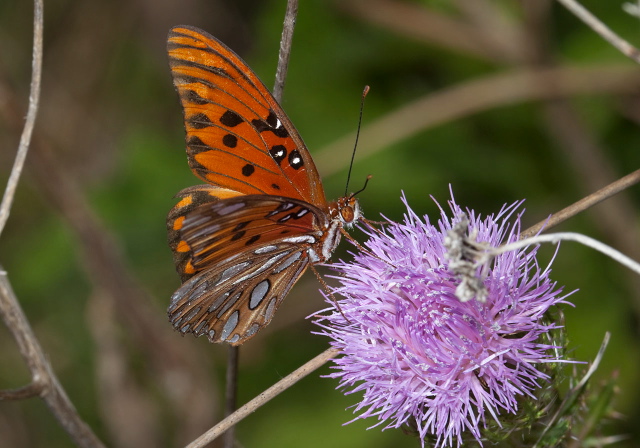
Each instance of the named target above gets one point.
<point>603,30</point>
<point>584,203</point>
<point>263,398</point>
<point>27,131</point>
<point>472,97</point>
<point>44,381</point>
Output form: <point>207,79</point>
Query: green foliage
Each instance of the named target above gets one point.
<point>134,162</point>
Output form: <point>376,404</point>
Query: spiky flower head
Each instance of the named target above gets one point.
<point>422,356</point>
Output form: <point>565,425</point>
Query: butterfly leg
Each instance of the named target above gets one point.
<point>328,291</point>
<point>363,249</point>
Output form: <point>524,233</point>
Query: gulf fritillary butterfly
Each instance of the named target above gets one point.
<point>242,241</point>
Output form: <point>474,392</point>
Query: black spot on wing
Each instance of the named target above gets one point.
<point>272,119</point>
<point>248,169</point>
<point>241,226</point>
<point>238,235</point>
<point>270,124</point>
<point>230,141</point>
<point>200,121</point>
<point>196,144</point>
<point>252,240</point>
<point>295,159</point>
<point>193,97</point>
<point>278,153</point>
<point>231,119</point>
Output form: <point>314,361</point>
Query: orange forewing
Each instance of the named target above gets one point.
<point>235,130</point>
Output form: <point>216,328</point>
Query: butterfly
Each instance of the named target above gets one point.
<point>241,241</point>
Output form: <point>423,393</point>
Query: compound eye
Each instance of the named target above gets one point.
<point>347,213</point>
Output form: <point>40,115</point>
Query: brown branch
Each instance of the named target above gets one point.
<point>44,381</point>
<point>263,398</point>
<point>27,131</point>
<point>285,48</point>
<point>584,204</point>
<point>473,97</point>
<point>29,391</point>
<point>231,393</point>
<point>417,22</point>
<point>603,30</point>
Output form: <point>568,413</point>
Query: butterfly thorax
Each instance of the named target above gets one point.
<point>344,212</point>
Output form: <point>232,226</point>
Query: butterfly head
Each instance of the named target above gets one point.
<point>347,211</point>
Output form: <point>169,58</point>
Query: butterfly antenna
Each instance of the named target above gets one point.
<point>355,146</point>
<point>364,187</point>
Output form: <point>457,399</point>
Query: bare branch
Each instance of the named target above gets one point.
<point>263,398</point>
<point>231,392</point>
<point>596,25</point>
<point>285,48</point>
<point>27,132</point>
<point>585,203</point>
<point>28,391</point>
<point>472,97</point>
<point>417,22</point>
<point>44,381</point>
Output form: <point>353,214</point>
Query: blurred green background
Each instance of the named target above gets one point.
<point>110,136</point>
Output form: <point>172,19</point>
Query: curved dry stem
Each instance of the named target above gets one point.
<point>231,392</point>
<point>475,96</point>
<point>32,389</point>
<point>27,132</point>
<point>498,41</point>
<point>583,204</point>
<point>603,30</point>
<point>285,48</point>
<point>44,381</point>
<point>263,398</point>
<point>555,238</point>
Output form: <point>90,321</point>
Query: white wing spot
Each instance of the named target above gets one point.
<point>199,330</point>
<point>230,325</point>
<point>252,330</point>
<point>230,208</point>
<point>232,301</point>
<point>258,294</point>
<point>233,270</point>
<point>271,308</point>
<point>214,306</point>
<point>300,239</point>
<point>265,249</point>
<point>288,262</point>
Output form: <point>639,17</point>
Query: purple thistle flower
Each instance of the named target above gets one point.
<point>421,355</point>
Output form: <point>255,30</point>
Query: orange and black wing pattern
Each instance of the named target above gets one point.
<point>238,137</point>
<point>204,230</point>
